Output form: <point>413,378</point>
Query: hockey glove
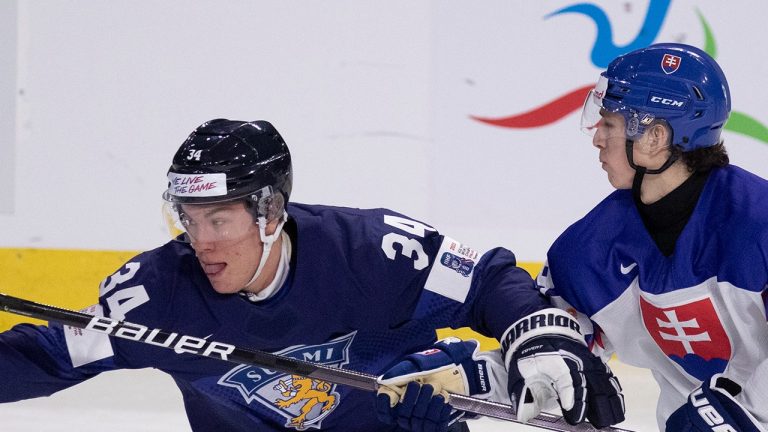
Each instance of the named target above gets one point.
<point>713,407</point>
<point>414,392</point>
<point>547,359</point>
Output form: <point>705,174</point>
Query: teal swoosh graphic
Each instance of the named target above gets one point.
<point>604,50</point>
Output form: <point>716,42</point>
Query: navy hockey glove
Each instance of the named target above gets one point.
<point>548,360</point>
<point>413,393</point>
<point>713,407</point>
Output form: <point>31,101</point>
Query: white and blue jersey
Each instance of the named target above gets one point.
<point>365,288</point>
<point>687,316</point>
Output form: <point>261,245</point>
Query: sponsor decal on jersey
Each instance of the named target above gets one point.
<point>462,266</point>
<point>690,334</point>
<point>462,250</point>
<point>85,347</point>
<point>626,269</point>
<point>304,402</point>
<point>454,257</point>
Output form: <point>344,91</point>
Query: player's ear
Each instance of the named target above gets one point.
<point>658,138</point>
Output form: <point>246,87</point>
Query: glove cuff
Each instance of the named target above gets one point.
<point>545,322</point>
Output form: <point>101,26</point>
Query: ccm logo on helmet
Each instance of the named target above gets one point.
<point>709,413</point>
<point>667,101</point>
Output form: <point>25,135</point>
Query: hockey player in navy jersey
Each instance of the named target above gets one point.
<point>349,288</point>
<point>669,272</point>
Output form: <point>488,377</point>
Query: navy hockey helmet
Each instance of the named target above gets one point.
<point>677,83</point>
<point>225,160</point>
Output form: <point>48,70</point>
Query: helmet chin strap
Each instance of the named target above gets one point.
<point>637,181</point>
<point>641,171</point>
<point>267,241</point>
<point>629,144</point>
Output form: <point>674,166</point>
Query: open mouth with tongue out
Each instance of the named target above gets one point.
<point>212,270</point>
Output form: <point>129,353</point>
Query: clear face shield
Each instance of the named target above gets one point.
<point>227,221</point>
<point>197,209</point>
<point>606,119</point>
<point>218,220</point>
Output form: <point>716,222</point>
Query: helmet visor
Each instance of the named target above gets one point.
<point>228,221</point>
<point>590,113</point>
<point>597,107</point>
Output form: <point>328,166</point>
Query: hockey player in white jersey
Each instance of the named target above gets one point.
<point>669,272</point>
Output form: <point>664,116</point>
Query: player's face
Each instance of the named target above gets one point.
<point>610,139</point>
<point>227,243</point>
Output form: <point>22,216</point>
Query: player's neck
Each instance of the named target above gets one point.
<point>269,272</point>
<point>657,186</point>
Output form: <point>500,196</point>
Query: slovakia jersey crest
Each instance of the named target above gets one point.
<point>304,402</point>
<point>691,334</point>
<point>670,63</point>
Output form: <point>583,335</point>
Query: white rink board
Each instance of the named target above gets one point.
<point>374,99</point>
<point>147,401</point>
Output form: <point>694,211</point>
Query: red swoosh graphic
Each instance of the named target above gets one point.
<point>543,115</point>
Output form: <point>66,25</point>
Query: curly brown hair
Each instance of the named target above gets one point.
<point>703,159</point>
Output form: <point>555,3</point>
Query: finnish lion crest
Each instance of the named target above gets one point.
<point>307,392</point>
<point>304,402</point>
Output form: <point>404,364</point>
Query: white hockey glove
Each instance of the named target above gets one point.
<point>547,359</point>
<point>413,392</point>
<point>713,407</point>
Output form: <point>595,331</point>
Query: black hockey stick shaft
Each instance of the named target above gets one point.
<point>227,352</point>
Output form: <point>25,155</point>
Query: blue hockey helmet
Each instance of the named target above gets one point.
<point>226,160</point>
<point>677,83</point>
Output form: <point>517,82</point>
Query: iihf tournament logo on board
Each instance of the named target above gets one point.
<point>604,49</point>
<point>690,334</point>
<point>304,402</point>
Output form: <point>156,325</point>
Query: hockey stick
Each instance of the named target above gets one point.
<point>222,351</point>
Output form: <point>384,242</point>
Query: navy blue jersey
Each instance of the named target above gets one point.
<point>687,316</point>
<point>365,287</point>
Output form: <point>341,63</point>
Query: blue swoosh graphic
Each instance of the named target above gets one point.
<point>604,50</point>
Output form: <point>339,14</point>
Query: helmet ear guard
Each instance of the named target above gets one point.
<point>272,207</point>
<point>266,204</point>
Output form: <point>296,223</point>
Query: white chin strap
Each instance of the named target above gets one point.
<point>267,241</point>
